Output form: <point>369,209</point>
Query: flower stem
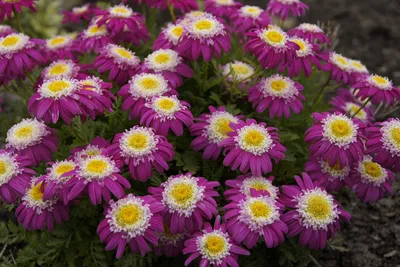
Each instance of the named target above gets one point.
<point>320,94</point>
<point>171,11</point>
<point>363,106</point>
<point>18,20</point>
<point>30,78</point>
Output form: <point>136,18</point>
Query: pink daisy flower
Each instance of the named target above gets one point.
<point>210,130</point>
<point>120,62</point>
<point>188,200</point>
<point>94,148</point>
<point>204,37</point>
<point>358,70</point>
<point>339,68</point>
<point>214,246</point>
<point>279,94</point>
<point>183,5</point>
<point>59,69</point>
<point>141,149</point>
<point>379,89</point>
<point>248,17</point>
<point>134,221</point>
<point>15,176</point>
<point>34,213</point>
<point>350,96</point>
<point>271,46</point>
<point>170,245</point>
<point>169,37</point>
<point>282,8</point>
<point>99,177</point>
<point>238,71</point>
<point>310,32</point>
<point>79,13</point>
<point>60,47</point>
<point>7,7</point>
<point>336,138</point>
<point>251,146</point>
<point>384,143</point>
<point>243,185</point>
<point>221,8</point>
<point>168,63</point>
<point>140,89</point>
<point>32,139</point>
<point>19,54</point>
<point>5,30</point>
<point>304,59</point>
<point>165,113</point>
<point>314,214</point>
<point>332,178</point>
<point>370,181</point>
<point>341,104</point>
<point>93,38</point>
<point>248,218</point>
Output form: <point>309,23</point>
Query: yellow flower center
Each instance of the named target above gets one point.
<point>97,166</point>
<point>204,25</point>
<point>341,60</point>
<point>121,10</point>
<point>274,37</point>
<point>94,29</point>
<point>166,104</point>
<point>341,128</point>
<point>196,13</point>
<point>58,69</point>
<point>299,43</point>
<point>278,85</point>
<point>380,80</point>
<point>36,192</point>
<point>260,209</point>
<point>93,152</point>
<point>10,41</point>
<point>24,132</point>
<point>58,40</point>
<point>128,215</point>
<point>138,141</point>
<point>373,169</point>
<point>177,31</point>
<point>149,84</point>
<point>222,126</point>
<point>253,138</point>
<point>357,65</point>
<point>252,10</point>
<point>259,186</point>
<point>182,193</point>
<point>123,53</point>
<point>64,168</point>
<point>395,134</point>
<point>3,167</point>
<point>162,58</point>
<point>360,114</point>
<point>215,244</point>
<point>240,69</point>
<point>319,207</point>
<point>224,2</point>
<point>57,86</point>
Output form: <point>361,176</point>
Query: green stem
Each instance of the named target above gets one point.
<point>18,20</point>
<point>30,77</point>
<point>321,93</point>
<point>362,107</point>
<point>171,11</point>
<point>255,74</point>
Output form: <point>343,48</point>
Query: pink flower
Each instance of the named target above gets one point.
<point>79,13</point>
<point>94,148</point>
<point>182,5</point>
<point>339,68</point>
<point>7,7</point>
<point>282,8</point>
<point>5,30</point>
<point>170,245</point>
<point>60,47</point>
<point>310,32</point>
<point>248,17</point>
<point>221,8</point>
<point>169,36</point>
<point>346,104</point>
<point>93,38</point>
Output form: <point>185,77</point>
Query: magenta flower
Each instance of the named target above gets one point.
<point>141,149</point>
<point>279,94</point>
<point>99,177</point>
<point>32,139</point>
<point>60,47</point>
<point>282,8</point>
<point>34,213</point>
<point>7,7</point>
<point>93,38</point>
<point>5,30</point>
<point>140,89</point>
<point>304,59</point>
<point>251,146</point>
<point>134,221</point>
<point>248,17</point>
<point>59,69</point>
<point>358,70</point>
<point>170,245</point>
<point>310,32</point>
<point>121,63</point>
<point>15,176</point>
<point>271,46</point>
<point>79,13</point>
<point>332,178</point>
<point>336,138</point>
<point>350,96</point>
<point>210,130</point>
<point>370,181</point>
<point>243,185</point>
<point>379,89</point>
<point>165,113</point>
<point>188,201</point>
<point>248,218</point>
<point>314,214</point>
<point>183,5</point>
<point>214,246</point>
<point>346,104</point>
<point>169,37</point>
<point>384,143</point>
<point>339,68</point>
<point>204,37</point>
<point>238,71</point>
<point>221,8</point>
<point>168,63</point>
<point>94,148</point>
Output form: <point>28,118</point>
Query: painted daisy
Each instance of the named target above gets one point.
<point>59,69</point>
<point>93,38</point>
<point>189,200</point>
<point>183,5</point>
<point>251,146</point>
<point>141,149</point>
<point>77,14</point>
<point>170,245</point>
<point>96,147</point>
<point>134,221</point>
<point>60,47</point>
<point>5,30</point>
<point>248,17</point>
<point>33,139</point>
<point>314,214</point>
<point>310,32</point>
<point>358,70</point>
<point>283,8</point>
<point>339,68</point>
<point>343,105</point>
<point>169,37</point>
<point>7,7</point>
<point>279,94</point>
<point>210,130</point>
<point>237,71</point>
<point>221,8</point>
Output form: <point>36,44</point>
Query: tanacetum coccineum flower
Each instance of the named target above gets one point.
<point>251,146</point>
<point>170,245</point>
<point>282,8</point>
<point>140,89</point>
<point>384,143</point>
<point>358,70</point>
<point>165,113</point>
<point>60,47</point>
<point>314,214</point>
<point>339,68</point>
<point>341,104</point>
<point>79,13</point>
<point>7,7</point>
<point>271,46</point>
<point>61,69</point>
<point>204,37</point>
<point>141,149</point>
<point>237,71</point>
<point>34,213</point>
<point>336,138</point>
<point>221,8</point>
<point>33,139</point>
<point>379,89</point>
<point>94,148</point>
<point>370,181</point>
<point>168,63</point>
<point>248,17</point>
<point>15,176</point>
<point>210,130</point>
<point>182,5</point>
<point>169,37</point>
<point>248,218</point>
<point>310,32</point>
<point>279,94</point>
<point>188,201</point>
<point>121,63</point>
<point>5,30</point>
<point>214,246</point>
<point>134,221</point>
<point>93,38</point>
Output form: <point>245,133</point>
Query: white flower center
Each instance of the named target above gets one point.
<point>254,139</point>
<point>274,36</point>
<point>391,137</point>
<point>340,61</point>
<point>174,32</point>
<point>96,31</point>
<point>57,42</point>
<point>278,86</point>
<point>258,183</point>
<point>163,60</point>
<point>214,246</point>
<point>138,142</point>
<point>92,84</point>
<point>8,167</point>
<point>59,169</point>
<point>120,11</point>
<point>60,69</point>
<point>218,126</point>
<point>310,28</point>
<point>288,2</point>
<point>382,83</point>
<point>305,47</point>
<point>371,172</point>
<point>225,2</point>
<point>80,10</point>
<point>339,130</point>
<point>165,106</point>
<point>13,43</point>
<point>148,85</point>
<point>204,27</point>
<point>27,133</point>
<point>351,109</point>
<point>335,172</point>
<point>89,151</point>
<point>122,56</point>
<point>96,167</point>
<point>33,198</point>
<point>251,11</point>
<point>57,88</point>
<point>238,70</point>
<point>357,66</point>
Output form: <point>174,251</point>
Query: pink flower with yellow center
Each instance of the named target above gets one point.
<point>283,8</point>
<point>7,7</point>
